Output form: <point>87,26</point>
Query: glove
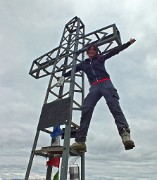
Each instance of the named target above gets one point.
<point>60,81</point>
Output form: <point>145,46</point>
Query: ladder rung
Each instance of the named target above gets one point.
<point>75,125</point>
<point>47,131</point>
<point>77,109</point>
<point>50,150</point>
<point>79,91</point>
<point>38,153</point>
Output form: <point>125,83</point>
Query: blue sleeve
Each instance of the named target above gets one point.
<point>116,51</point>
<point>78,68</point>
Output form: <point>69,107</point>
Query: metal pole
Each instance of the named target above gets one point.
<point>83,166</point>
<point>32,155</point>
<point>65,155</point>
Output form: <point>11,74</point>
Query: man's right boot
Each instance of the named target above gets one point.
<point>79,146</point>
<point>125,135</point>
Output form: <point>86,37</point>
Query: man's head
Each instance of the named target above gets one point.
<point>92,51</point>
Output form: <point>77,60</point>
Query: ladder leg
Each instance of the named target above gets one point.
<point>83,166</point>
<point>32,156</point>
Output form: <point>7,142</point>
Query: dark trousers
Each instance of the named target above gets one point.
<point>108,91</point>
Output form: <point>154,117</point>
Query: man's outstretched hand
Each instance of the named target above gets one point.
<point>132,40</point>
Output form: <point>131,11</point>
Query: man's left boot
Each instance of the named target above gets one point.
<point>126,139</point>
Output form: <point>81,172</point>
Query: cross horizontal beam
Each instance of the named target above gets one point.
<point>106,36</point>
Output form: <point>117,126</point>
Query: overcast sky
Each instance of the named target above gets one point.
<point>30,28</point>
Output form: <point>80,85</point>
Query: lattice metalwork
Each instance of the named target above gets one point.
<point>106,38</point>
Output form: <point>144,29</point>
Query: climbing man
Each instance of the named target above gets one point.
<point>101,85</point>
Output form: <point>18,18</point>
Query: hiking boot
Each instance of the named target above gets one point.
<point>128,143</point>
<point>79,146</point>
